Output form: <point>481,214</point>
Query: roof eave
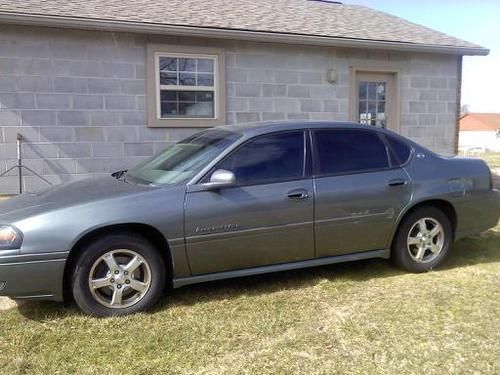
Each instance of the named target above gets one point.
<point>261,36</point>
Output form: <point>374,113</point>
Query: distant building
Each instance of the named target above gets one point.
<point>479,132</point>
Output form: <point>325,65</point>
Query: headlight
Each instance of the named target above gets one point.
<point>10,237</point>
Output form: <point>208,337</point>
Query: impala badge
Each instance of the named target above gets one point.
<point>217,228</point>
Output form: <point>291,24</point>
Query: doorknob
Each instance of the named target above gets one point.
<point>298,194</point>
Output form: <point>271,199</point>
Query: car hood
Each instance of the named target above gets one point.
<point>65,195</point>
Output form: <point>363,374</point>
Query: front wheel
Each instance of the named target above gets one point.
<point>423,240</point>
<point>118,274</point>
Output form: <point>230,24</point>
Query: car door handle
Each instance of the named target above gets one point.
<point>298,194</point>
<point>397,182</point>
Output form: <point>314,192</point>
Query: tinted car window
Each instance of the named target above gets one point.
<point>270,158</point>
<point>400,151</point>
<point>346,151</point>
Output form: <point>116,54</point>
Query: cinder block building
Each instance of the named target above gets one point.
<point>96,86</point>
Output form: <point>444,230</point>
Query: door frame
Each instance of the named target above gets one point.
<point>395,114</point>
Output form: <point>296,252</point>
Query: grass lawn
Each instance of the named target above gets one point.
<point>360,318</point>
<point>492,158</point>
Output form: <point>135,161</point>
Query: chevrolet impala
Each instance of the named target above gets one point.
<point>241,200</point>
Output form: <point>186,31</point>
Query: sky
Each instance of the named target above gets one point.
<point>474,21</point>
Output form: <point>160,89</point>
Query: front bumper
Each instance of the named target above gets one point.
<point>30,276</point>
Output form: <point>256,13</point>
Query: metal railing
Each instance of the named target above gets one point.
<point>20,166</point>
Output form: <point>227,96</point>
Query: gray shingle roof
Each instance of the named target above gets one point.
<point>299,17</point>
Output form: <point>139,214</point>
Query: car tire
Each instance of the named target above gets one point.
<point>423,240</point>
<point>118,274</point>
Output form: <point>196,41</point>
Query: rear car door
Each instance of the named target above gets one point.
<point>360,190</point>
<point>265,218</point>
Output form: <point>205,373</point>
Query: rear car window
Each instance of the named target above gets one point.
<point>340,151</point>
<point>399,151</point>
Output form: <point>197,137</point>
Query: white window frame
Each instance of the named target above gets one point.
<point>154,52</point>
<point>160,87</point>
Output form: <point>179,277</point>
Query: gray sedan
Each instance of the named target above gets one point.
<point>241,200</point>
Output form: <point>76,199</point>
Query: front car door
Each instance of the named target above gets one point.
<point>360,190</point>
<point>265,218</point>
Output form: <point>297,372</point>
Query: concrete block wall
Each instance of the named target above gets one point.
<point>428,90</point>
<point>281,82</point>
<point>78,97</point>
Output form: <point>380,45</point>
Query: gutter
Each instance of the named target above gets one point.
<point>221,33</point>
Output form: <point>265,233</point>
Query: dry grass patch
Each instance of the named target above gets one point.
<point>493,159</point>
<point>362,317</point>
<point>6,303</point>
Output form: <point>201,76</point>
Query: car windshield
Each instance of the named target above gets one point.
<point>181,161</point>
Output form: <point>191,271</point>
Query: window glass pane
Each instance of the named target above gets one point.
<point>187,65</point>
<point>205,65</point>
<point>204,96</point>
<point>380,107</point>
<point>372,106</point>
<point>168,78</point>
<point>167,95</point>
<point>168,63</point>
<point>381,91</point>
<point>400,151</point>
<point>346,151</point>
<point>362,90</point>
<point>187,96</point>
<point>195,104</point>
<point>187,79</point>
<point>363,118</point>
<point>372,89</point>
<point>205,80</point>
<point>271,158</point>
<point>188,109</point>
<point>381,119</point>
<point>169,109</point>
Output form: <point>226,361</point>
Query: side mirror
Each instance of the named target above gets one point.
<point>220,178</point>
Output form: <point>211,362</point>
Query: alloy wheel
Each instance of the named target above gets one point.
<point>425,240</point>
<point>119,278</point>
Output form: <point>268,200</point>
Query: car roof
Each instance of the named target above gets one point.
<point>257,128</point>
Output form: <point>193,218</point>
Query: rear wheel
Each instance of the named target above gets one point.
<point>117,275</point>
<point>423,240</point>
